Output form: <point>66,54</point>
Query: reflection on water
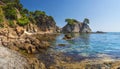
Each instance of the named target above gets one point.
<point>89,45</point>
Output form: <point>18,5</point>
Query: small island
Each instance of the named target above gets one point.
<point>74,26</point>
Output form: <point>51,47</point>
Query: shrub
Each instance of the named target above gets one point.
<point>51,18</point>
<point>11,23</point>
<point>86,21</point>
<point>71,21</point>
<point>1,18</point>
<point>38,13</point>
<point>23,21</point>
<point>10,12</point>
<point>1,15</point>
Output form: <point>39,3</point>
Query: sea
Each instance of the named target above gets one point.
<point>91,45</point>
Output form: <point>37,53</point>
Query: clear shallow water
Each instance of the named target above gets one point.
<point>90,45</point>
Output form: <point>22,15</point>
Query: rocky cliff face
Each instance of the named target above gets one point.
<point>76,27</point>
<point>46,24</point>
<point>37,21</point>
<point>85,28</point>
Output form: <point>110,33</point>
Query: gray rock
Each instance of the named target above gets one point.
<point>100,32</point>
<point>85,28</point>
<point>12,60</point>
<point>76,28</point>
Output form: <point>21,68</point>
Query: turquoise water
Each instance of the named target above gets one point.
<point>90,45</point>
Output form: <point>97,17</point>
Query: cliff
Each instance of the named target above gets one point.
<point>76,27</point>
<point>14,15</point>
<point>46,23</point>
<point>22,30</point>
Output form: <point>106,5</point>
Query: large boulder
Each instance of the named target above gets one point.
<point>12,60</point>
<point>4,31</point>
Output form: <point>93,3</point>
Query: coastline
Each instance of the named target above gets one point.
<point>40,58</point>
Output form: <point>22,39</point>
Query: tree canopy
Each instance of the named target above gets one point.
<point>23,21</point>
<point>86,21</point>
<point>13,10</point>
<point>10,12</point>
<point>71,21</point>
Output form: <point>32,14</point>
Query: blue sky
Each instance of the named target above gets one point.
<point>104,15</point>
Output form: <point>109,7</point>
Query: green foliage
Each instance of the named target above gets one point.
<point>86,21</point>
<point>71,21</point>
<point>1,15</point>
<point>10,1</point>
<point>37,13</point>
<point>25,11</point>
<point>51,18</point>
<point>10,12</point>
<point>23,21</point>
<point>1,21</point>
<point>15,3</point>
<point>11,23</point>
<point>32,19</point>
<point>12,8</point>
<point>6,1</point>
<point>1,18</point>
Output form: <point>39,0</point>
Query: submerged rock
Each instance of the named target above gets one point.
<point>67,37</point>
<point>61,45</point>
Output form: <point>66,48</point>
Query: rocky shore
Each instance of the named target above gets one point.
<point>25,44</point>
<point>10,59</point>
<point>33,49</point>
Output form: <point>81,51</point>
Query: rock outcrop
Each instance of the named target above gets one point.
<point>85,28</point>
<point>46,24</point>
<point>76,27</point>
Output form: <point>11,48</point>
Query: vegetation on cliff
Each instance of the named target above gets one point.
<point>86,21</point>
<point>13,14</point>
<point>71,21</point>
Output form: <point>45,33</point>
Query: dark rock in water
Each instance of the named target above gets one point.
<point>77,27</point>
<point>66,37</point>
<point>61,45</point>
<point>100,32</point>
